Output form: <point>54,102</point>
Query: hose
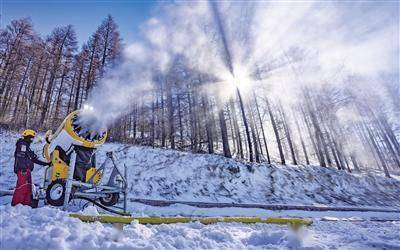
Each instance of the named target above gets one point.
<point>102,206</point>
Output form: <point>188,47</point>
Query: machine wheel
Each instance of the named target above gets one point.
<point>110,200</point>
<point>55,193</point>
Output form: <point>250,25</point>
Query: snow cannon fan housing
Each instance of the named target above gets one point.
<point>72,132</point>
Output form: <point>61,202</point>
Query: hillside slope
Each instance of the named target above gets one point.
<point>172,175</point>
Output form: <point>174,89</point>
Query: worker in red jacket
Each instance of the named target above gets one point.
<point>23,165</point>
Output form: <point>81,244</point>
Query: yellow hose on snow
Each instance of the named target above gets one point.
<point>294,222</point>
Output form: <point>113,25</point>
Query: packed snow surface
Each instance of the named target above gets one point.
<point>50,228</point>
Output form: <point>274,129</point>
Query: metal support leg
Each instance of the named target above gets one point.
<point>126,186</point>
<point>68,185</point>
<point>47,176</point>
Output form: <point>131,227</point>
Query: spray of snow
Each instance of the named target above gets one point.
<point>284,46</point>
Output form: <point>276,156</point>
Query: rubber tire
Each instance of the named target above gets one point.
<point>111,202</point>
<point>59,201</point>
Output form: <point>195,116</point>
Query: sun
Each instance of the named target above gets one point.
<point>241,79</point>
<point>232,82</point>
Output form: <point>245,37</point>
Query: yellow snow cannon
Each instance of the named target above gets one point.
<point>71,150</point>
<point>70,134</point>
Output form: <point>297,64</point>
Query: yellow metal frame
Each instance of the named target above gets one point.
<point>60,168</point>
<point>93,171</point>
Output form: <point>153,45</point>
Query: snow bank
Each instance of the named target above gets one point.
<point>50,228</point>
<point>172,175</point>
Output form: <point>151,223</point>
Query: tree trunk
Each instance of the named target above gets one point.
<point>181,142</point>
<point>378,151</point>
<point>262,129</point>
<point>20,89</point>
<point>171,116</point>
<point>236,127</point>
<point>163,133</point>
<point>208,121</point>
<point>224,133</point>
<point>302,141</point>
<point>78,88</point>
<point>253,134</point>
<point>276,132</point>
<point>288,135</point>
<point>246,126</point>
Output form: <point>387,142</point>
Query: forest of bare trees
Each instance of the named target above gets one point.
<point>45,78</point>
<point>42,79</point>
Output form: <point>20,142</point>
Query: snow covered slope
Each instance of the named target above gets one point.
<point>166,174</point>
<point>173,175</point>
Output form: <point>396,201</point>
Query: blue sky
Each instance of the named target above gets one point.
<point>84,15</point>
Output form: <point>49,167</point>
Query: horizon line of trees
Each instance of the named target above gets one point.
<point>44,79</point>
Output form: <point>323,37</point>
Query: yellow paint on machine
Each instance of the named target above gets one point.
<point>60,168</point>
<point>294,222</point>
<point>68,127</point>
<point>89,174</point>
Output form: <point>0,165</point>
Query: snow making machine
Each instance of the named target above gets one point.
<point>73,172</point>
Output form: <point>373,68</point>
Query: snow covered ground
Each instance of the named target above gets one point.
<point>172,175</point>
<point>49,228</point>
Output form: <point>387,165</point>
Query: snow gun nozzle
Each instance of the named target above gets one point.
<point>89,125</point>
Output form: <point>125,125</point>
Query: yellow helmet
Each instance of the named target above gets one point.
<point>29,132</point>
